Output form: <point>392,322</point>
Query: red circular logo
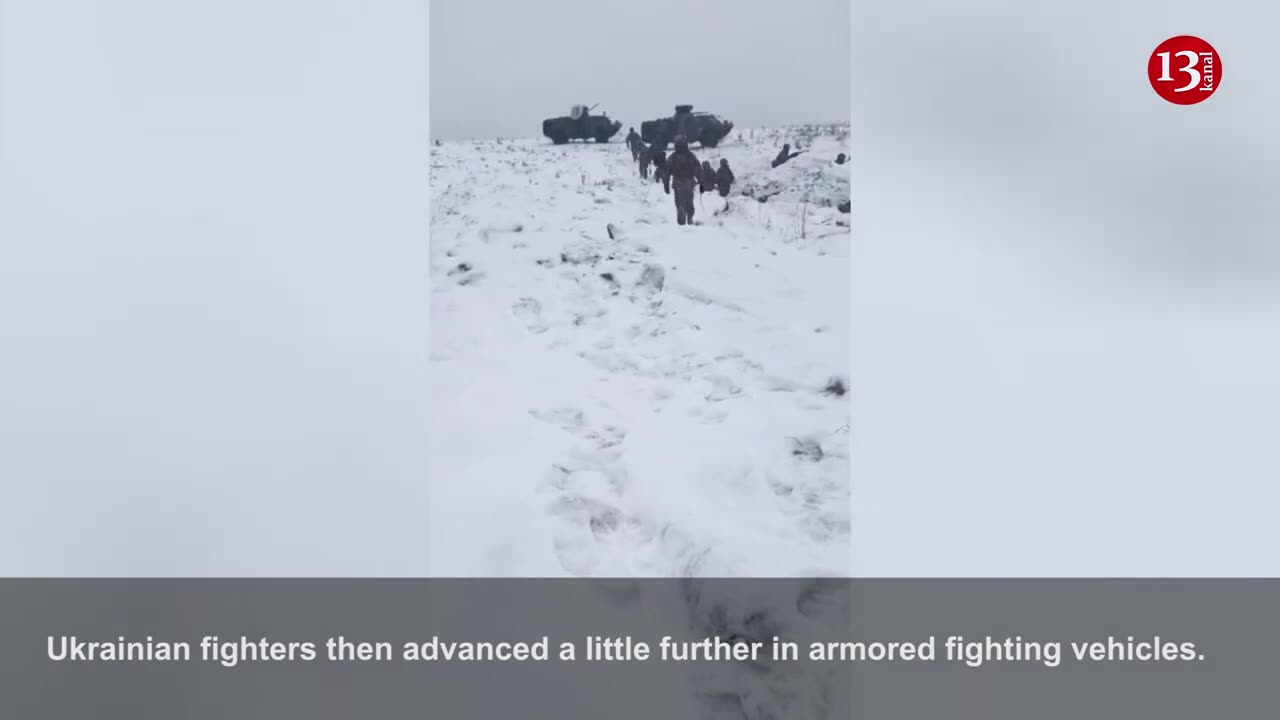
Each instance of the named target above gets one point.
<point>1185,70</point>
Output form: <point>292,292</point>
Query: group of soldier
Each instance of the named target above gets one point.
<point>681,171</point>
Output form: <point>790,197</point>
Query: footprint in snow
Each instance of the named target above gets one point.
<point>709,415</point>
<point>722,388</point>
<point>566,417</point>
<point>529,310</point>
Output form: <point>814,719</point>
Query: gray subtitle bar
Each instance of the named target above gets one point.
<point>670,648</point>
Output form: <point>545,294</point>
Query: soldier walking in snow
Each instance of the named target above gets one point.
<point>706,178</point>
<point>683,168</point>
<point>633,144</point>
<point>724,180</point>
<point>645,156</point>
<point>660,172</point>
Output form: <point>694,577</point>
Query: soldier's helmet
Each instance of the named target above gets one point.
<point>682,143</point>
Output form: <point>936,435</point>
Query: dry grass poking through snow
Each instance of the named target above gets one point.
<point>618,396</point>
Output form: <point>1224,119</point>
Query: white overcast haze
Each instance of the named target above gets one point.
<point>1066,292</point>
<point>213,297</point>
<point>499,67</point>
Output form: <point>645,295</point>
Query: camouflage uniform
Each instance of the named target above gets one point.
<point>706,178</point>
<point>724,178</point>
<point>633,143</point>
<point>684,170</point>
<point>660,172</point>
<point>645,156</point>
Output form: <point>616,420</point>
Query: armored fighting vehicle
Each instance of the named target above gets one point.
<point>701,127</point>
<point>580,124</point>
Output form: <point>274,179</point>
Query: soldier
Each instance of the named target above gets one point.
<point>684,169</point>
<point>724,178</point>
<point>644,156</point>
<point>706,178</point>
<point>785,154</point>
<point>633,143</point>
<point>660,173</point>
<point>840,159</point>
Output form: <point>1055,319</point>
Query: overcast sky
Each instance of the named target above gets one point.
<point>498,67</point>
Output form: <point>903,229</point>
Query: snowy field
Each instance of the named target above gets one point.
<point>615,395</point>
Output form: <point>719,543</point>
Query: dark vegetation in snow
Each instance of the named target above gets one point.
<point>835,387</point>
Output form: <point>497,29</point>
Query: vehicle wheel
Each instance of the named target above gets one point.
<point>709,140</point>
<point>559,139</point>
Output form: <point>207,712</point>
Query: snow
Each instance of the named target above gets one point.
<point>650,404</point>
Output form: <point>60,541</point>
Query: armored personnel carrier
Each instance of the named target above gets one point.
<point>580,124</point>
<point>703,128</point>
